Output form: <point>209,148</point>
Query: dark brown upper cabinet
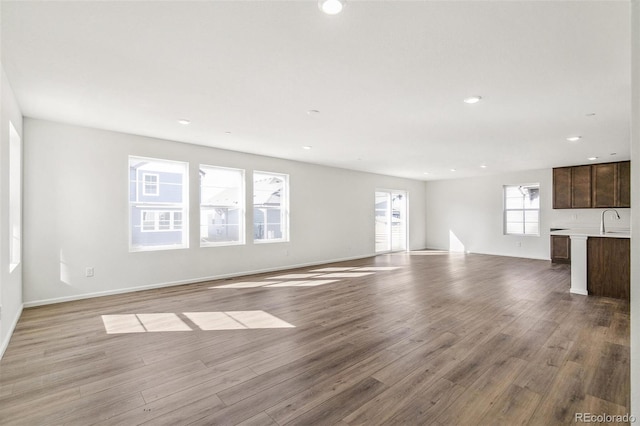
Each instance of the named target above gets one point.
<point>562,188</point>
<point>581,187</point>
<point>624,184</point>
<point>592,186</point>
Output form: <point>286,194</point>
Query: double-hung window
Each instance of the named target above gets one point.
<point>150,184</point>
<point>158,204</point>
<point>522,209</point>
<point>15,198</point>
<point>270,207</point>
<point>221,206</point>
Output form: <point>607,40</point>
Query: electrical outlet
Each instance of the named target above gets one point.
<point>574,217</point>
<point>519,244</point>
<point>88,272</point>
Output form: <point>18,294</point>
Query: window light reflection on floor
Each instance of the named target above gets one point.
<point>333,269</point>
<point>206,321</point>
<point>314,277</point>
<point>293,276</point>
<point>347,274</point>
<point>247,284</point>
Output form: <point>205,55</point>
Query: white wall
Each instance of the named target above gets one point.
<point>76,214</point>
<point>635,203</point>
<point>469,213</point>
<point>10,281</point>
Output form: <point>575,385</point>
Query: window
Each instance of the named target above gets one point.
<point>522,209</point>
<point>270,207</point>
<point>222,202</point>
<point>150,184</point>
<point>158,203</point>
<point>15,195</point>
<point>158,220</point>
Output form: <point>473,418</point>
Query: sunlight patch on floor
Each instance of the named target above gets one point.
<point>116,324</point>
<point>247,284</point>
<point>378,268</point>
<point>206,321</point>
<point>311,278</point>
<point>258,319</point>
<point>292,276</point>
<point>308,283</point>
<point>162,322</point>
<point>333,269</point>
<point>347,274</point>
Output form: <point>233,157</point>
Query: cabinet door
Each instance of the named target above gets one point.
<point>560,249</point>
<point>624,184</point>
<point>562,188</point>
<point>609,267</point>
<point>581,187</point>
<point>604,181</point>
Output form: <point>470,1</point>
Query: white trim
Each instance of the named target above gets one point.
<point>191,281</point>
<point>156,193</point>
<point>156,220</point>
<point>284,208</point>
<point>12,328</point>
<point>524,210</point>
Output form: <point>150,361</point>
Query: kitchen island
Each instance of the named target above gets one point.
<point>599,267</point>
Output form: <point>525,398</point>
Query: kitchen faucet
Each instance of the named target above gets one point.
<point>602,230</point>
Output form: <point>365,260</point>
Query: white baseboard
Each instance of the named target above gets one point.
<point>42,302</point>
<point>5,342</point>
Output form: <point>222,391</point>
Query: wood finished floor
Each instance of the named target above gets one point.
<point>445,339</point>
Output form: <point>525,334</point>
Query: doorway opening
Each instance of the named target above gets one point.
<point>391,221</point>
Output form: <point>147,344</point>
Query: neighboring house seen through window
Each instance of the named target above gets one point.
<point>270,207</point>
<point>158,203</point>
<point>150,184</point>
<point>221,206</point>
<point>522,209</point>
<point>155,221</point>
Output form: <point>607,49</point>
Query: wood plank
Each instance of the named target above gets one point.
<point>438,341</point>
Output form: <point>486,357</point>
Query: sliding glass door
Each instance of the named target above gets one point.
<point>390,221</point>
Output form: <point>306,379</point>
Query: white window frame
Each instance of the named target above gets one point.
<point>156,185</point>
<point>241,207</point>
<point>156,221</point>
<point>15,198</point>
<point>284,209</point>
<point>523,210</point>
<point>158,206</point>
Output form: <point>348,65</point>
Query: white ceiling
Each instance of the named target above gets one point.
<point>388,78</point>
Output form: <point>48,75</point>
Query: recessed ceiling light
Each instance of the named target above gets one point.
<point>592,158</point>
<point>574,138</point>
<point>614,153</point>
<point>591,114</point>
<point>227,133</point>
<point>453,170</point>
<point>483,166</point>
<point>184,121</point>
<point>472,99</point>
<point>426,173</point>
<point>331,7</point>
<point>307,147</point>
<point>313,112</point>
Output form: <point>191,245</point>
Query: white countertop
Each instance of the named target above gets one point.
<point>594,232</point>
